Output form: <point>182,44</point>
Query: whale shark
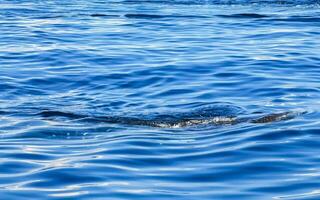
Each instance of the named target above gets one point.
<point>219,115</point>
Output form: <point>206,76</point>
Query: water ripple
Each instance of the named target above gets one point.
<point>157,99</point>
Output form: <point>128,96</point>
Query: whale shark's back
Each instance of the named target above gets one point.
<point>209,115</point>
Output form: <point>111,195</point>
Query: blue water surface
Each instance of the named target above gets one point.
<point>67,66</point>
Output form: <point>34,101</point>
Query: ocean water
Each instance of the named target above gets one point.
<point>159,99</point>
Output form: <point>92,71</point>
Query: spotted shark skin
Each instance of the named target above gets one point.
<point>174,122</point>
<point>216,115</point>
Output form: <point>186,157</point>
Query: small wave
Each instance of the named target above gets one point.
<point>226,2</point>
<point>299,19</point>
<point>236,16</point>
<point>2,112</point>
<point>244,15</point>
<point>153,16</point>
<point>103,15</point>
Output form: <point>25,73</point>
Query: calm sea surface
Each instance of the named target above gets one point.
<point>92,94</point>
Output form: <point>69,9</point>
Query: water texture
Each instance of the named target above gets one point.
<point>159,99</point>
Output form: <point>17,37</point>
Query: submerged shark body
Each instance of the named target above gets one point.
<point>179,120</point>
